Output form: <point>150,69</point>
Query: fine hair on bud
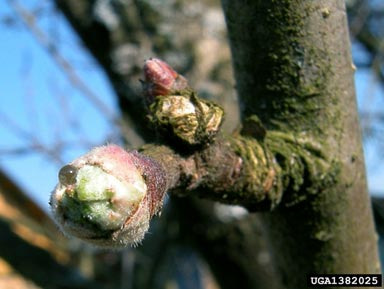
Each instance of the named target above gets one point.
<point>108,196</point>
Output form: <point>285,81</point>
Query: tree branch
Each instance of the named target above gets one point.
<point>107,196</point>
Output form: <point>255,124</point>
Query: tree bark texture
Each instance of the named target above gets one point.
<point>293,69</point>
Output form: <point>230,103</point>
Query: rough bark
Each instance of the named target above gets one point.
<point>293,69</point>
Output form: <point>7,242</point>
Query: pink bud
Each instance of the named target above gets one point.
<point>161,79</point>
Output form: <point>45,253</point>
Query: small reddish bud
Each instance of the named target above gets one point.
<point>108,196</point>
<point>161,79</point>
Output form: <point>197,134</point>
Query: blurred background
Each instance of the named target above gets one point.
<point>69,78</point>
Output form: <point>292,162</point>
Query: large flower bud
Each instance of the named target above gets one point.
<point>108,196</point>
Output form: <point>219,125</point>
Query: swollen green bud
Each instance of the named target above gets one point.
<point>103,198</point>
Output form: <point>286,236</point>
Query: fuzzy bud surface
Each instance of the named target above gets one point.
<point>106,196</point>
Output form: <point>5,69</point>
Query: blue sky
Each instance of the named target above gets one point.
<point>40,106</point>
<point>45,108</point>
<point>370,98</point>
